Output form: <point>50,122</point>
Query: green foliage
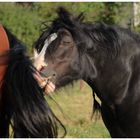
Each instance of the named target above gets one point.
<point>22,21</point>
<point>92,10</point>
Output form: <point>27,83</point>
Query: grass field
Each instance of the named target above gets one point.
<point>75,112</point>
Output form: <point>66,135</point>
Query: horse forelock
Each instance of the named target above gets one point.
<point>64,20</point>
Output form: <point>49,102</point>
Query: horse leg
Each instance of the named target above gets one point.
<point>110,122</point>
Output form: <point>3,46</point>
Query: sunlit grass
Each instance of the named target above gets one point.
<point>75,112</point>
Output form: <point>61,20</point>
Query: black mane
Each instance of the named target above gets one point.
<point>23,105</point>
<point>88,36</point>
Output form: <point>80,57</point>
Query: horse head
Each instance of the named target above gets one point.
<point>64,54</point>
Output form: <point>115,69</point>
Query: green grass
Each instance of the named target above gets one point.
<point>75,112</point>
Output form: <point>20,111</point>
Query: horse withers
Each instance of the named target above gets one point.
<point>106,57</point>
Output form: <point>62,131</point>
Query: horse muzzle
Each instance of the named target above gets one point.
<point>47,72</point>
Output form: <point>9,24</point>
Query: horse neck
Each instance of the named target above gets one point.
<point>111,76</point>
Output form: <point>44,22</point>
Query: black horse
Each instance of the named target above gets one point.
<point>22,104</point>
<point>107,58</point>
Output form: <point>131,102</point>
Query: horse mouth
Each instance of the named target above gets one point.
<point>63,81</point>
<point>58,80</point>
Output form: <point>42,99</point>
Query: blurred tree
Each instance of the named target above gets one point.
<point>108,13</point>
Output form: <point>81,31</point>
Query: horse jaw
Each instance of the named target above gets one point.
<point>39,59</point>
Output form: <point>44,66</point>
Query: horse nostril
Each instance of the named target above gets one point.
<point>54,75</point>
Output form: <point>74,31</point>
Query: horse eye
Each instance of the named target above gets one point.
<point>66,42</point>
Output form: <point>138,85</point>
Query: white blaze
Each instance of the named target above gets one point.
<point>35,54</point>
<point>39,59</point>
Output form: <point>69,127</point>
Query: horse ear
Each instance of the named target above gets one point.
<point>63,13</point>
<point>65,16</point>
